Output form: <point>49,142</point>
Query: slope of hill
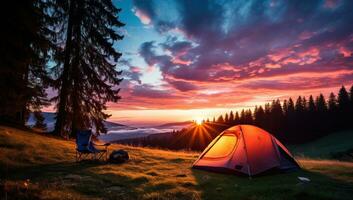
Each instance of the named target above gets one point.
<point>34,166</point>
<point>329,146</point>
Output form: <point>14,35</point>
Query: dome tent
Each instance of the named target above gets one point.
<point>245,149</point>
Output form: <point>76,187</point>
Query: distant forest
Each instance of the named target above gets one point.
<point>291,121</point>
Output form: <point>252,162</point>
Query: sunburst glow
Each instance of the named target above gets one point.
<point>198,121</point>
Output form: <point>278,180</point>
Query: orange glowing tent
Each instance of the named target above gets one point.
<point>245,149</point>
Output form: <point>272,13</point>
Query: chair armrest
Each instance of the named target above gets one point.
<point>106,144</point>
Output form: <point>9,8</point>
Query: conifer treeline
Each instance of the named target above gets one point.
<point>301,119</point>
<point>291,121</point>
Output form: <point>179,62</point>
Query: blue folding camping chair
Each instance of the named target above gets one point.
<point>86,148</point>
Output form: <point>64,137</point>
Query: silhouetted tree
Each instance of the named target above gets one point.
<point>242,119</point>
<point>321,104</point>
<point>299,106</point>
<point>236,118</point>
<point>87,77</point>
<point>40,124</point>
<point>322,114</point>
<point>343,98</point>
<point>220,119</point>
<point>259,116</point>
<point>332,102</point>
<point>248,118</point>
<point>351,105</point>
<point>311,105</point>
<point>285,107</point>
<point>226,118</point>
<point>332,114</point>
<point>290,108</point>
<point>344,107</point>
<point>276,116</point>
<point>231,117</point>
<point>23,54</point>
<point>351,94</point>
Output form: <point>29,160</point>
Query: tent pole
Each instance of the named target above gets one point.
<point>277,151</point>
<point>246,152</point>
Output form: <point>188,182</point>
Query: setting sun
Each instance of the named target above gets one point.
<point>198,121</point>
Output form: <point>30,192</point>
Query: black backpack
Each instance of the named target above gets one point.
<point>118,156</point>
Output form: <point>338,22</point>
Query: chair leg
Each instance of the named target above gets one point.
<point>99,156</point>
<point>106,153</point>
<point>79,157</point>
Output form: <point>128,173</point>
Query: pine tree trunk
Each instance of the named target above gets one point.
<point>25,99</point>
<point>75,76</point>
<point>64,90</point>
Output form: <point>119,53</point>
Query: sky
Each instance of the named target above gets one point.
<point>189,59</point>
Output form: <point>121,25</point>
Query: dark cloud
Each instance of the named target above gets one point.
<point>149,92</point>
<point>235,38</point>
<point>176,47</point>
<point>183,86</point>
<point>301,83</point>
<point>131,73</point>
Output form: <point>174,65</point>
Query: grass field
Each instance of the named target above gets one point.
<point>33,166</point>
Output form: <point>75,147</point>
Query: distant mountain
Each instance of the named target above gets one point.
<point>50,121</point>
<point>176,124</point>
<point>113,124</point>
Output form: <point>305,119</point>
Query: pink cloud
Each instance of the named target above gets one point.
<point>306,35</point>
<point>280,54</point>
<point>135,69</point>
<point>145,19</point>
<point>226,66</point>
<point>273,66</point>
<point>179,61</point>
<point>309,56</point>
<point>345,52</point>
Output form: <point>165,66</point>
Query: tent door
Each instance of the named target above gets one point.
<point>286,162</point>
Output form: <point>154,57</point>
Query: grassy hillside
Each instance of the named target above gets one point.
<point>326,147</point>
<point>39,167</point>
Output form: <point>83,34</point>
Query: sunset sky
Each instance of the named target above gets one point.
<point>186,59</point>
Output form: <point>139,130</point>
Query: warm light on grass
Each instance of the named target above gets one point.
<point>150,173</point>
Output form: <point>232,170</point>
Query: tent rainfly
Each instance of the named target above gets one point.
<point>245,149</point>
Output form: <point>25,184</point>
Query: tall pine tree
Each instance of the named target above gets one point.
<point>226,118</point>
<point>220,119</point>
<point>351,104</point>
<point>24,46</point>
<point>332,108</point>
<point>231,117</point>
<point>344,107</point>
<point>259,116</point>
<point>87,78</point>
